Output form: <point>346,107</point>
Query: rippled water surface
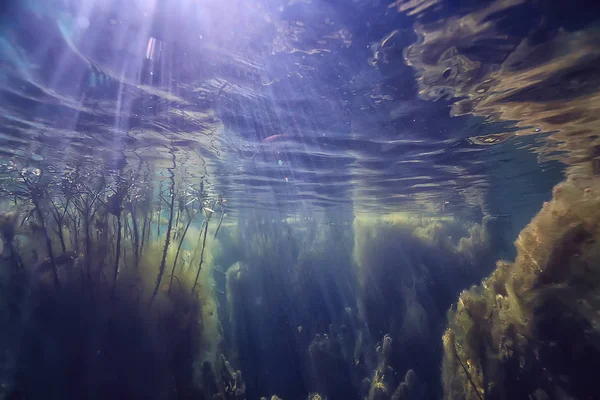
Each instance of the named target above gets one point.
<point>302,105</point>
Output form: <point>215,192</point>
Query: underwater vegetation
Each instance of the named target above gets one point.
<point>86,309</point>
<point>409,270</point>
<point>100,282</point>
<point>359,211</point>
<point>531,329</point>
<point>285,283</point>
<point>343,310</point>
<point>106,275</point>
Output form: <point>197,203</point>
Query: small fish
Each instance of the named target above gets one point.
<point>272,138</point>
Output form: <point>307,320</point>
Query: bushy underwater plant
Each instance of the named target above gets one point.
<point>285,282</point>
<point>342,311</point>
<point>409,270</point>
<point>532,329</point>
<point>75,313</point>
<point>291,301</point>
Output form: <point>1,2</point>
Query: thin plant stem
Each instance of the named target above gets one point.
<point>163,261</point>
<point>190,218</point>
<point>201,255</point>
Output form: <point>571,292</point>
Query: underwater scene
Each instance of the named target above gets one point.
<point>299,199</point>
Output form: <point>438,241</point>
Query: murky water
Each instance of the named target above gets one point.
<point>314,199</point>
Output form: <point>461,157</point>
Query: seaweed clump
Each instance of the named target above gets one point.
<point>409,270</point>
<point>532,328</point>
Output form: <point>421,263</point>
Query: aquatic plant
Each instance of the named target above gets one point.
<point>161,270</point>
<point>221,203</point>
<point>531,328</point>
<point>114,205</point>
<point>138,198</point>
<point>333,370</point>
<point>159,209</point>
<point>60,205</point>
<point>99,341</point>
<point>87,200</point>
<point>227,383</point>
<point>35,189</point>
<point>207,215</point>
<point>91,219</point>
<point>8,226</point>
<point>190,217</point>
<point>142,204</point>
<point>408,270</point>
<point>293,277</point>
<point>410,388</point>
<point>385,384</point>
<point>51,335</point>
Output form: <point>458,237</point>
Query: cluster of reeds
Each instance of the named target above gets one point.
<point>103,221</point>
<point>100,246</point>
